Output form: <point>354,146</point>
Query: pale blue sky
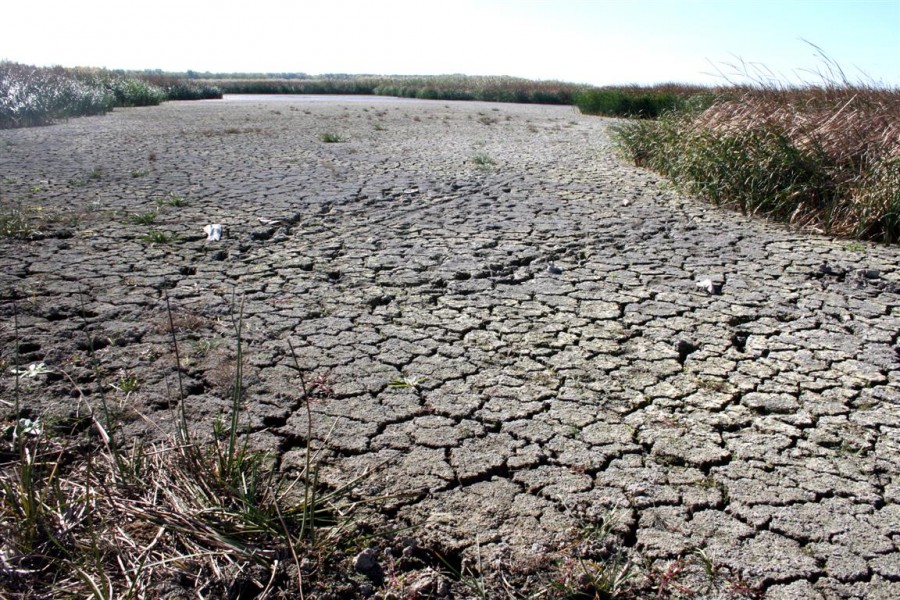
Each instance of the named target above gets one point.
<point>588,41</point>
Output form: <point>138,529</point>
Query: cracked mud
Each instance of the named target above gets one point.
<point>523,345</point>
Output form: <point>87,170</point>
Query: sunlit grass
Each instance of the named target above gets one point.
<point>32,96</point>
<point>824,158</point>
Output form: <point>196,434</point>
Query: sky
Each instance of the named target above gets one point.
<point>600,42</point>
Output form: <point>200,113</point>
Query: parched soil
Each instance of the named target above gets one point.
<point>490,305</point>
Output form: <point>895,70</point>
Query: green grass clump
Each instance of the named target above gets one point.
<point>14,222</point>
<point>640,102</point>
<point>483,160</point>
<point>155,236</point>
<point>172,200</point>
<point>146,218</point>
<point>823,158</point>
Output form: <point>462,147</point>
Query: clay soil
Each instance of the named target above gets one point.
<point>493,309</point>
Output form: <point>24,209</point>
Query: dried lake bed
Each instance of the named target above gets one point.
<point>492,308</point>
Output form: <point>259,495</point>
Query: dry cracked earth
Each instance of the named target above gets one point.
<point>493,309</point>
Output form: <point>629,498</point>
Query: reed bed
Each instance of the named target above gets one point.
<point>643,102</point>
<point>439,87</point>
<point>31,96</point>
<point>823,158</point>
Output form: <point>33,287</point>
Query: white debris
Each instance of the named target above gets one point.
<point>213,232</point>
<point>708,285</point>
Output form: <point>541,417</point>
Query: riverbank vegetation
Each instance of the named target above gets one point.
<point>437,87</point>
<point>31,96</point>
<point>823,158</point>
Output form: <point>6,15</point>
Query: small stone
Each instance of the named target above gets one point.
<point>366,562</point>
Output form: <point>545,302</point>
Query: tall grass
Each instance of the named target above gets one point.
<point>439,87</point>
<point>642,102</point>
<point>32,96</point>
<point>820,157</point>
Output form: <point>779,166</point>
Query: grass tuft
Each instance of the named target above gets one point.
<point>145,218</point>
<point>173,200</point>
<point>14,222</point>
<point>330,138</point>
<point>483,161</point>
<point>154,236</point>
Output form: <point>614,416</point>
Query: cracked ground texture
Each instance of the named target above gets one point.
<point>521,345</point>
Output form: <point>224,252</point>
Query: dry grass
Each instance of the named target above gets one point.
<point>823,158</point>
<point>86,516</point>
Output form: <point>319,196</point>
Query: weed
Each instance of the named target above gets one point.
<point>330,138</point>
<point>14,223</point>
<point>154,236</point>
<point>127,384</point>
<point>404,383</point>
<point>173,200</point>
<point>204,347</point>
<point>146,218</point>
<point>605,575</point>
<point>482,160</point>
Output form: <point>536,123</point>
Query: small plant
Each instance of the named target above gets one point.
<point>330,138</point>
<point>155,236</point>
<point>146,218</point>
<point>173,200</point>
<point>14,223</point>
<point>127,384</point>
<point>482,160</point>
<point>404,383</point>
<point>203,347</point>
